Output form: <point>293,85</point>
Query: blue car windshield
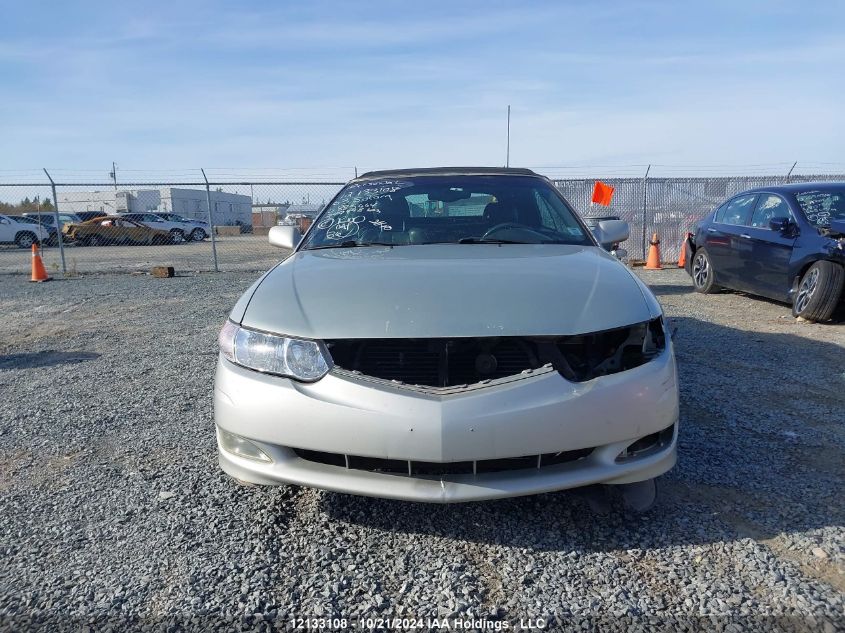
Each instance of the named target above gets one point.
<point>820,207</point>
<point>479,209</point>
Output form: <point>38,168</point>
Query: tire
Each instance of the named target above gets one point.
<point>702,272</point>
<point>198,235</point>
<point>95,240</point>
<point>639,497</point>
<point>25,239</point>
<point>177,235</point>
<point>819,291</point>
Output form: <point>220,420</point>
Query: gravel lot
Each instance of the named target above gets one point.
<point>113,509</point>
<point>242,252</point>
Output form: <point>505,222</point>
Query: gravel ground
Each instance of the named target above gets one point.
<point>113,509</point>
<point>235,253</point>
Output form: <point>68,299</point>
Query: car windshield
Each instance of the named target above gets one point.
<point>447,210</point>
<point>820,207</point>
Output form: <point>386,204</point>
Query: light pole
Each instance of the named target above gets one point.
<point>508,154</point>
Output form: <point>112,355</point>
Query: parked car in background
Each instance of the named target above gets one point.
<point>115,229</point>
<point>785,242</point>
<point>50,218</point>
<point>45,233</point>
<point>195,230</point>
<point>178,230</point>
<point>20,232</point>
<point>448,335</point>
<point>84,216</point>
<point>301,221</point>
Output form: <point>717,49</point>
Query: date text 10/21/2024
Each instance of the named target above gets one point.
<point>414,624</point>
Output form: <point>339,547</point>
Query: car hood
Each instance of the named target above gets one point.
<point>447,290</point>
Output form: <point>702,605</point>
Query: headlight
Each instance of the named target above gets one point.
<point>295,358</point>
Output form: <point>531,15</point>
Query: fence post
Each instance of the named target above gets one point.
<point>210,221</point>
<point>645,203</point>
<point>789,173</point>
<point>58,222</point>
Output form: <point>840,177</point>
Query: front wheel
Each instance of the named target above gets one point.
<point>25,240</point>
<point>702,273</point>
<point>198,235</point>
<point>819,291</point>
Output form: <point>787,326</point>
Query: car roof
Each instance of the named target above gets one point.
<point>103,218</point>
<point>794,187</point>
<point>447,171</point>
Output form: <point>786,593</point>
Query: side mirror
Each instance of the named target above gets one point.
<point>781,225</point>
<point>610,232</point>
<point>284,236</point>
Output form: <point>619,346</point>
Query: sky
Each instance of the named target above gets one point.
<point>323,87</point>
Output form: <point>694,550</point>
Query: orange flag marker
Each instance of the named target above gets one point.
<point>602,193</point>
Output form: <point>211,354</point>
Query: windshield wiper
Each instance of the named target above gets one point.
<point>488,240</point>
<point>348,244</point>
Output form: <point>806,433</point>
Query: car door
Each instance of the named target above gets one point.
<point>7,229</point>
<point>723,239</point>
<point>155,222</point>
<point>134,231</point>
<point>107,230</point>
<point>766,265</point>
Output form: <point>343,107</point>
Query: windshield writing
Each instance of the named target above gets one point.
<point>447,209</point>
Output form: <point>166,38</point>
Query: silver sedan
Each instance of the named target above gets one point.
<point>448,335</point>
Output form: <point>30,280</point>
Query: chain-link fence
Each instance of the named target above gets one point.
<point>194,226</point>
<point>667,206</point>
<point>129,228</point>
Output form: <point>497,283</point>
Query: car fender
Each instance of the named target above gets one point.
<point>808,252</point>
<point>239,309</point>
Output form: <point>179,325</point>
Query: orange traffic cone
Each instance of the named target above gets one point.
<point>653,261</point>
<point>39,273</point>
<point>682,258</point>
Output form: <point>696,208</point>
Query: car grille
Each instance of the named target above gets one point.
<point>440,362</point>
<point>437,362</point>
<point>438,469</point>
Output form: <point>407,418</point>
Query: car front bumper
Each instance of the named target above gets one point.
<point>540,413</point>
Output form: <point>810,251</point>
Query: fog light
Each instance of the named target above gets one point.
<point>241,447</point>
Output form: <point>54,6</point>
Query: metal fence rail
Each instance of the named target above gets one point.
<point>238,213</point>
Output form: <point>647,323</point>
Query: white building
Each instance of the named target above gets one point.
<point>226,208</point>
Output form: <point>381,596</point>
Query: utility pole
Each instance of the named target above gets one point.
<point>113,174</point>
<point>508,154</point>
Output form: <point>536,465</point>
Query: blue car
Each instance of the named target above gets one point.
<point>785,242</point>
